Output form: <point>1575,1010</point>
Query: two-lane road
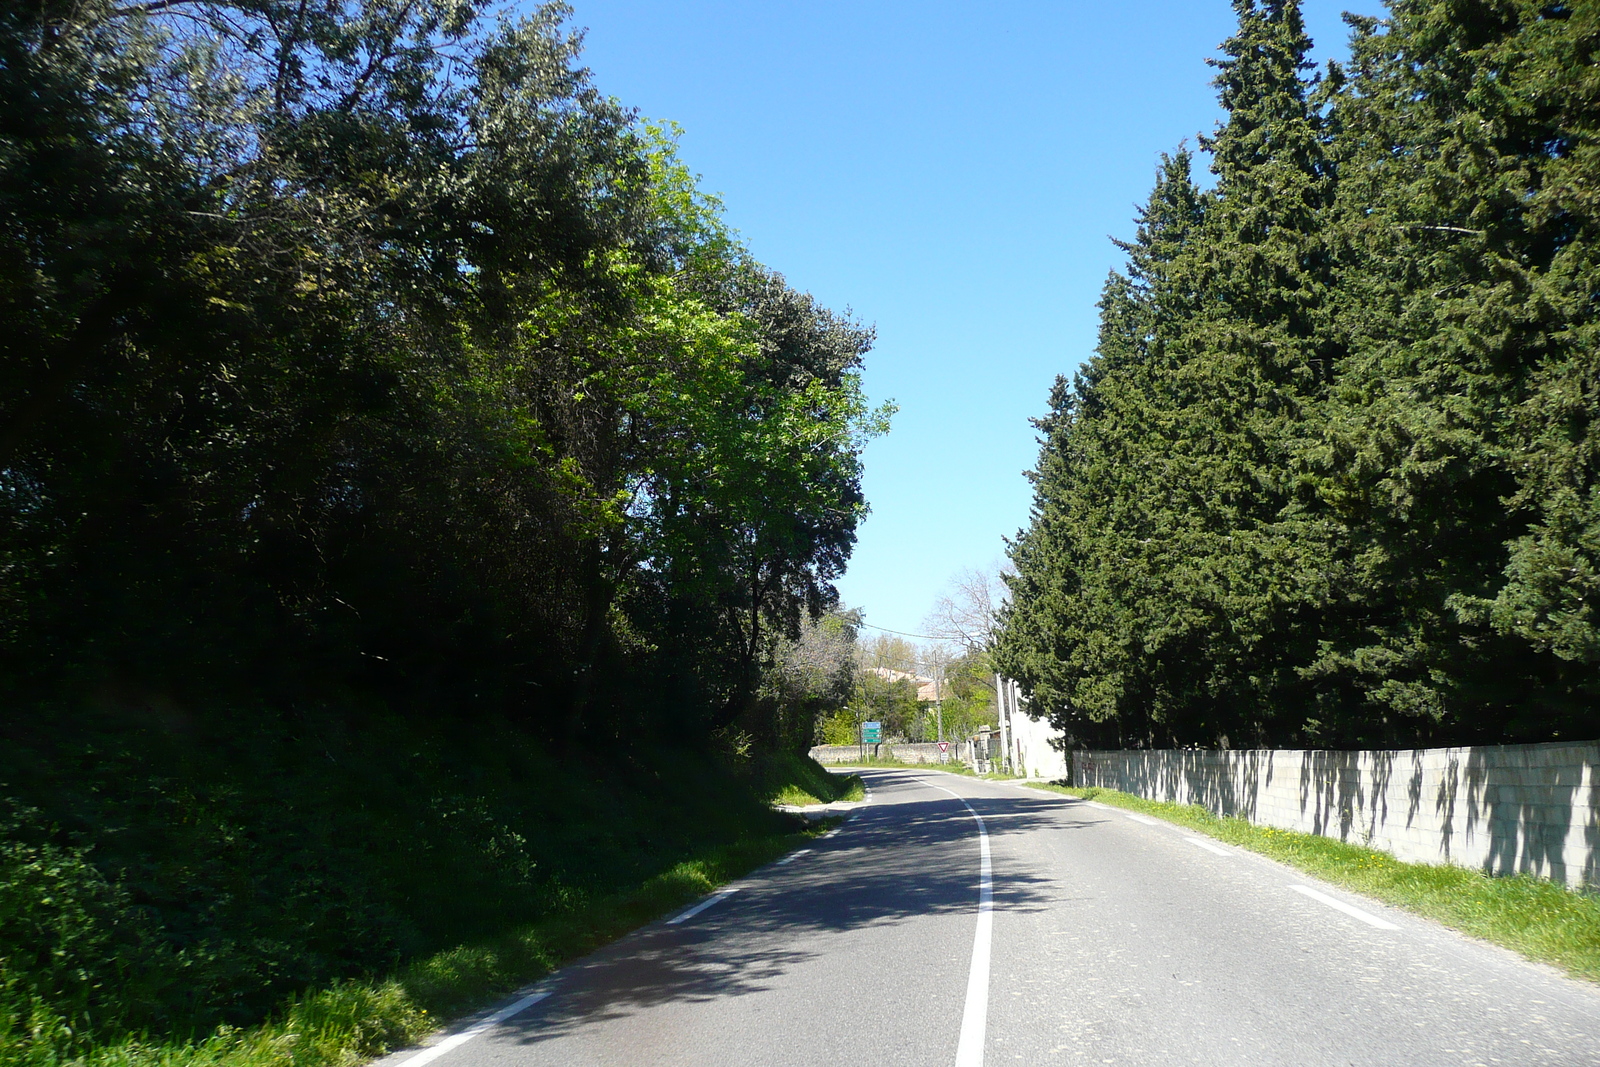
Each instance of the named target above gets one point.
<point>1112,940</point>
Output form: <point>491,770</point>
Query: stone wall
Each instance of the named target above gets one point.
<point>905,753</point>
<point>841,753</point>
<point>1502,809</point>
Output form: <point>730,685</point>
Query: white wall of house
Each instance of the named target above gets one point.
<point>1033,752</point>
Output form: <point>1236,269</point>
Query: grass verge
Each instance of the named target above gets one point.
<point>1541,920</point>
<point>953,767</point>
<point>802,781</point>
<point>354,1021</point>
<point>889,761</point>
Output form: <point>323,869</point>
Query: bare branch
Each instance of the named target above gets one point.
<point>965,613</point>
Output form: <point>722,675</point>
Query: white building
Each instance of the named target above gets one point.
<point>1024,745</point>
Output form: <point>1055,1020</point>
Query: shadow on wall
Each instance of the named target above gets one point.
<point>1503,809</point>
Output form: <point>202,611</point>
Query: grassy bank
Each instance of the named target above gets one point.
<point>355,1020</point>
<point>1541,920</point>
<point>801,781</point>
<point>344,876</point>
<point>953,767</point>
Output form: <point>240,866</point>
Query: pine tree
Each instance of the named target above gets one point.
<point>1246,550</point>
<point>1460,430</point>
<point>1078,626</point>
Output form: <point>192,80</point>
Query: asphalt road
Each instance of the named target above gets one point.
<point>1110,941</point>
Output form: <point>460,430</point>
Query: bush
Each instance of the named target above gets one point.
<point>169,882</point>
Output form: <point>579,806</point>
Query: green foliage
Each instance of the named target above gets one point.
<point>801,780</point>
<point>839,728</point>
<point>402,466</point>
<point>1543,921</point>
<point>375,349</point>
<point>1329,478</point>
<point>388,427</point>
<point>808,682</point>
<point>886,686</point>
<point>353,1021</point>
<point>969,699</point>
<point>173,878</point>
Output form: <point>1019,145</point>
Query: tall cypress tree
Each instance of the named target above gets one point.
<point>1246,551</point>
<point>1079,625</point>
<point>1331,477</point>
<point>1460,436</point>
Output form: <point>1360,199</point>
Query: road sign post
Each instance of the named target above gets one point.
<point>871,734</point>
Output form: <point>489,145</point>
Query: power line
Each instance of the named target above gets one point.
<point>901,633</point>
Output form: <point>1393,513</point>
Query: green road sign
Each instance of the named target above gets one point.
<point>871,733</point>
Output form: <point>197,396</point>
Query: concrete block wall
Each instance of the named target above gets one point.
<point>1503,809</point>
<point>919,752</point>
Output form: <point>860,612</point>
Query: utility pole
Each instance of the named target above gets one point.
<point>1011,734</point>
<point>1002,687</point>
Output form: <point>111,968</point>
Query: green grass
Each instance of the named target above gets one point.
<point>953,767</point>
<point>231,874</point>
<point>353,1021</point>
<point>1540,919</point>
<point>802,781</point>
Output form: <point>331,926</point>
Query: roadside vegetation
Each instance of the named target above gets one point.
<point>355,1020</point>
<point>1541,920</point>
<point>419,516</point>
<point>802,781</point>
<point>1329,479</point>
<point>202,896</point>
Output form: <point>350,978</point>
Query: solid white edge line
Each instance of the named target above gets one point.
<point>433,1052</point>
<point>1147,820</point>
<point>689,913</point>
<point>1355,912</point>
<point>1208,846</point>
<point>975,1015</point>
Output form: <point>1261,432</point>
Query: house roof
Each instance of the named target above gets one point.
<point>925,686</point>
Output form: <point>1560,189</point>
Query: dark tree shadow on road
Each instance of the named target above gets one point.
<point>898,860</point>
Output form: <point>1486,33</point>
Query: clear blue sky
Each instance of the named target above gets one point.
<point>951,172</point>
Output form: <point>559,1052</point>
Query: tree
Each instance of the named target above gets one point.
<point>373,348</point>
<point>1327,479</point>
<point>965,613</point>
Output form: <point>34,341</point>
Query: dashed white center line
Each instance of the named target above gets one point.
<point>1207,845</point>
<point>689,913</point>
<point>791,857</point>
<point>1349,909</point>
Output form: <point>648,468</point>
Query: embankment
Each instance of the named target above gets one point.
<point>162,875</point>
